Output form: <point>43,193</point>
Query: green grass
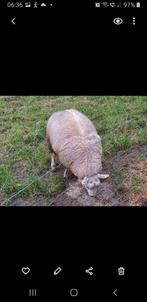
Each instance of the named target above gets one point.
<point>121,121</point>
<point>140,157</point>
<point>135,183</point>
<point>118,177</point>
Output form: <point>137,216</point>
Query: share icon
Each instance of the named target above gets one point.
<point>89,271</point>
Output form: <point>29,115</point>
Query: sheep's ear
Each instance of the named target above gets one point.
<point>103,176</point>
<point>83,181</point>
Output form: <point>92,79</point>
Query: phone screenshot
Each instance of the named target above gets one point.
<point>73,150</point>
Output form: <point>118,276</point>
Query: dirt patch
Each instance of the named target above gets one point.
<point>20,171</point>
<point>123,159</point>
<point>77,196</point>
<point>30,202</point>
<point>52,102</point>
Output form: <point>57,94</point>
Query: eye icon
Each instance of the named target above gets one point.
<point>118,21</point>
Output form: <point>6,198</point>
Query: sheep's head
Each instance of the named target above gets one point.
<point>91,183</point>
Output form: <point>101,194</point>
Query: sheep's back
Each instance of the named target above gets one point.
<point>66,124</point>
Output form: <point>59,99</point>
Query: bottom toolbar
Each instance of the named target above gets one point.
<point>67,281</point>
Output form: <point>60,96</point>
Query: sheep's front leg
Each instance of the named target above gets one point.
<point>67,173</point>
<point>54,162</point>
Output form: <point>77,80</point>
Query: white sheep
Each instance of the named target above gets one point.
<point>74,142</point>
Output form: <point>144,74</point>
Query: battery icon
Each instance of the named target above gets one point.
<point>138,4</point>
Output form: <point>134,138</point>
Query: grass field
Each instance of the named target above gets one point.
<point>121,121</point>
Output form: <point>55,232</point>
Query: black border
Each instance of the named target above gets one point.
<point>73,55</point>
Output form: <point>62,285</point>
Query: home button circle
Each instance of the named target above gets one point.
<point>73,292</point>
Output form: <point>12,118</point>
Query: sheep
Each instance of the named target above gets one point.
<point>74,142</point>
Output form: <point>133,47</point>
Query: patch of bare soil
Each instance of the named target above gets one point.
<point>109,194</point>
<point>19,170</point>
<point>124,159</point>
<point>75,195</point>
<point>53,102</point>
<point>40,201</point>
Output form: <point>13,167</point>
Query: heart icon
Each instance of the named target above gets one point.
<point>25,270</point>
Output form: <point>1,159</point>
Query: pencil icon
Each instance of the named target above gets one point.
<point>57,271</point>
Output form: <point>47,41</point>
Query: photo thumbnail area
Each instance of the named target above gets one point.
<point>73,151</point>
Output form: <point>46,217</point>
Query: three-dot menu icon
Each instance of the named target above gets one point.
<point>133,20</point>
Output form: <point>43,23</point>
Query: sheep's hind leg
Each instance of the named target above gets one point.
<point>54,162</point>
